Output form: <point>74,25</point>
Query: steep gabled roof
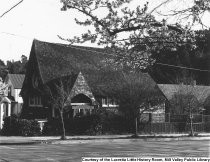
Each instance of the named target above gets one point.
<point>16,80</point>
<point>58,60</point>
<point>200,92</point>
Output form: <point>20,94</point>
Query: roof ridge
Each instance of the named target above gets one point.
<point>66,45</point>
<point>39,71</point>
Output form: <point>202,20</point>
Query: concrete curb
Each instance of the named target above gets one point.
<point>21,143</point>
<point>103,139</point>
<point>70,141</point>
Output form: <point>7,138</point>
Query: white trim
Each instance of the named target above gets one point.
<point>5,99</point>
<point>74,104</point>
<point>1,115</point>
<point>110,105</point>
<point>83,107</point>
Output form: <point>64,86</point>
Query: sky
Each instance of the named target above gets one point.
<point>39,19</point>
<point>36,19</point>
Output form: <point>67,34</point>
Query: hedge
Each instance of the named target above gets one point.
<point>13,126</point>
<point>89,125</point>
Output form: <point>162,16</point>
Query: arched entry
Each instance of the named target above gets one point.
<point>81,99</point>
<point>81,105</point>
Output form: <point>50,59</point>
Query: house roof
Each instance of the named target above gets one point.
<point>57,60</point>
<point>200,92</point>
<point>16,80</point>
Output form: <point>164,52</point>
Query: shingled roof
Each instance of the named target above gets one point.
<point>16,80</point>
<point>202,93</point>
<point>58,60</point>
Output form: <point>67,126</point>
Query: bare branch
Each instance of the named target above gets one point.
<point>94,18</point>
<point>159,6</point>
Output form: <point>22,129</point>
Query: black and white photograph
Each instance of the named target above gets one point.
<point>104,80</point>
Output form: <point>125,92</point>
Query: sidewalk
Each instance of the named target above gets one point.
<point>18,140</point>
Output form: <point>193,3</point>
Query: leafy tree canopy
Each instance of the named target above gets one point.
<point>17,67</point>
<point>134,34</point>
<point>3,69</point>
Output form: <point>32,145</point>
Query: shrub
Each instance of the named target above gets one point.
<point>180,127</point>
<point>13,126</point>
<point>94,124</point>
<point>88,125</point>
<point>52,127</point>
<point>10,126</point>
<point>115,124</point>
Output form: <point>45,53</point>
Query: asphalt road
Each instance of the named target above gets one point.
<point>108,148</point>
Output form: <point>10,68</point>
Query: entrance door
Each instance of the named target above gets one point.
<point>81,104</point>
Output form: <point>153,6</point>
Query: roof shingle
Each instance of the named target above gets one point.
<point>58,60</point>
<point>200,92</point>
<point>16,80</point>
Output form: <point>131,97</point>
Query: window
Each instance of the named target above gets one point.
<point>35,81</point>
<point>104,101</point>
<point>109,102</point>
<point>9,91</point>
<point>35,101</point>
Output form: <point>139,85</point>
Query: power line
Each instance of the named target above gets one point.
<point>109,54</point>
<point>163,64</point>
<point>17,35</point>
<point>182,67</point>
<point>11,8</point>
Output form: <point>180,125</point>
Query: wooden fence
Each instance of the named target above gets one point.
<point>174,127</point>
<point>178,124</point>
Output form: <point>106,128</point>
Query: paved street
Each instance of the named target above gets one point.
<point>100,148</point>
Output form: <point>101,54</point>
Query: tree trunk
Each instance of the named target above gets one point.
<point>136,127</point>
<point>136,133</point>
<point>191,122</point>
<point>63,136</point>
<point>191,125</point>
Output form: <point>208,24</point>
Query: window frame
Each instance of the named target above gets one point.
<point>35,101</point>
<point>109,102</point>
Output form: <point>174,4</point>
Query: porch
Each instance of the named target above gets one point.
<point>5,109</point>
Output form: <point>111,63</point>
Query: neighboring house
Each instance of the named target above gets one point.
<point>5,103</point>
<point>201,94</point>
<point>15,82</point>
<point>92,81</point>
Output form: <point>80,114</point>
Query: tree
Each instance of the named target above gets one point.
<point>3,70</point>
<point>189,11</point>
<point>135,94</point>
<point>3,88</point>
<point>58,92</point>
<point>18,67</point>
<point>132,35</point>
<point>185,102</point>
